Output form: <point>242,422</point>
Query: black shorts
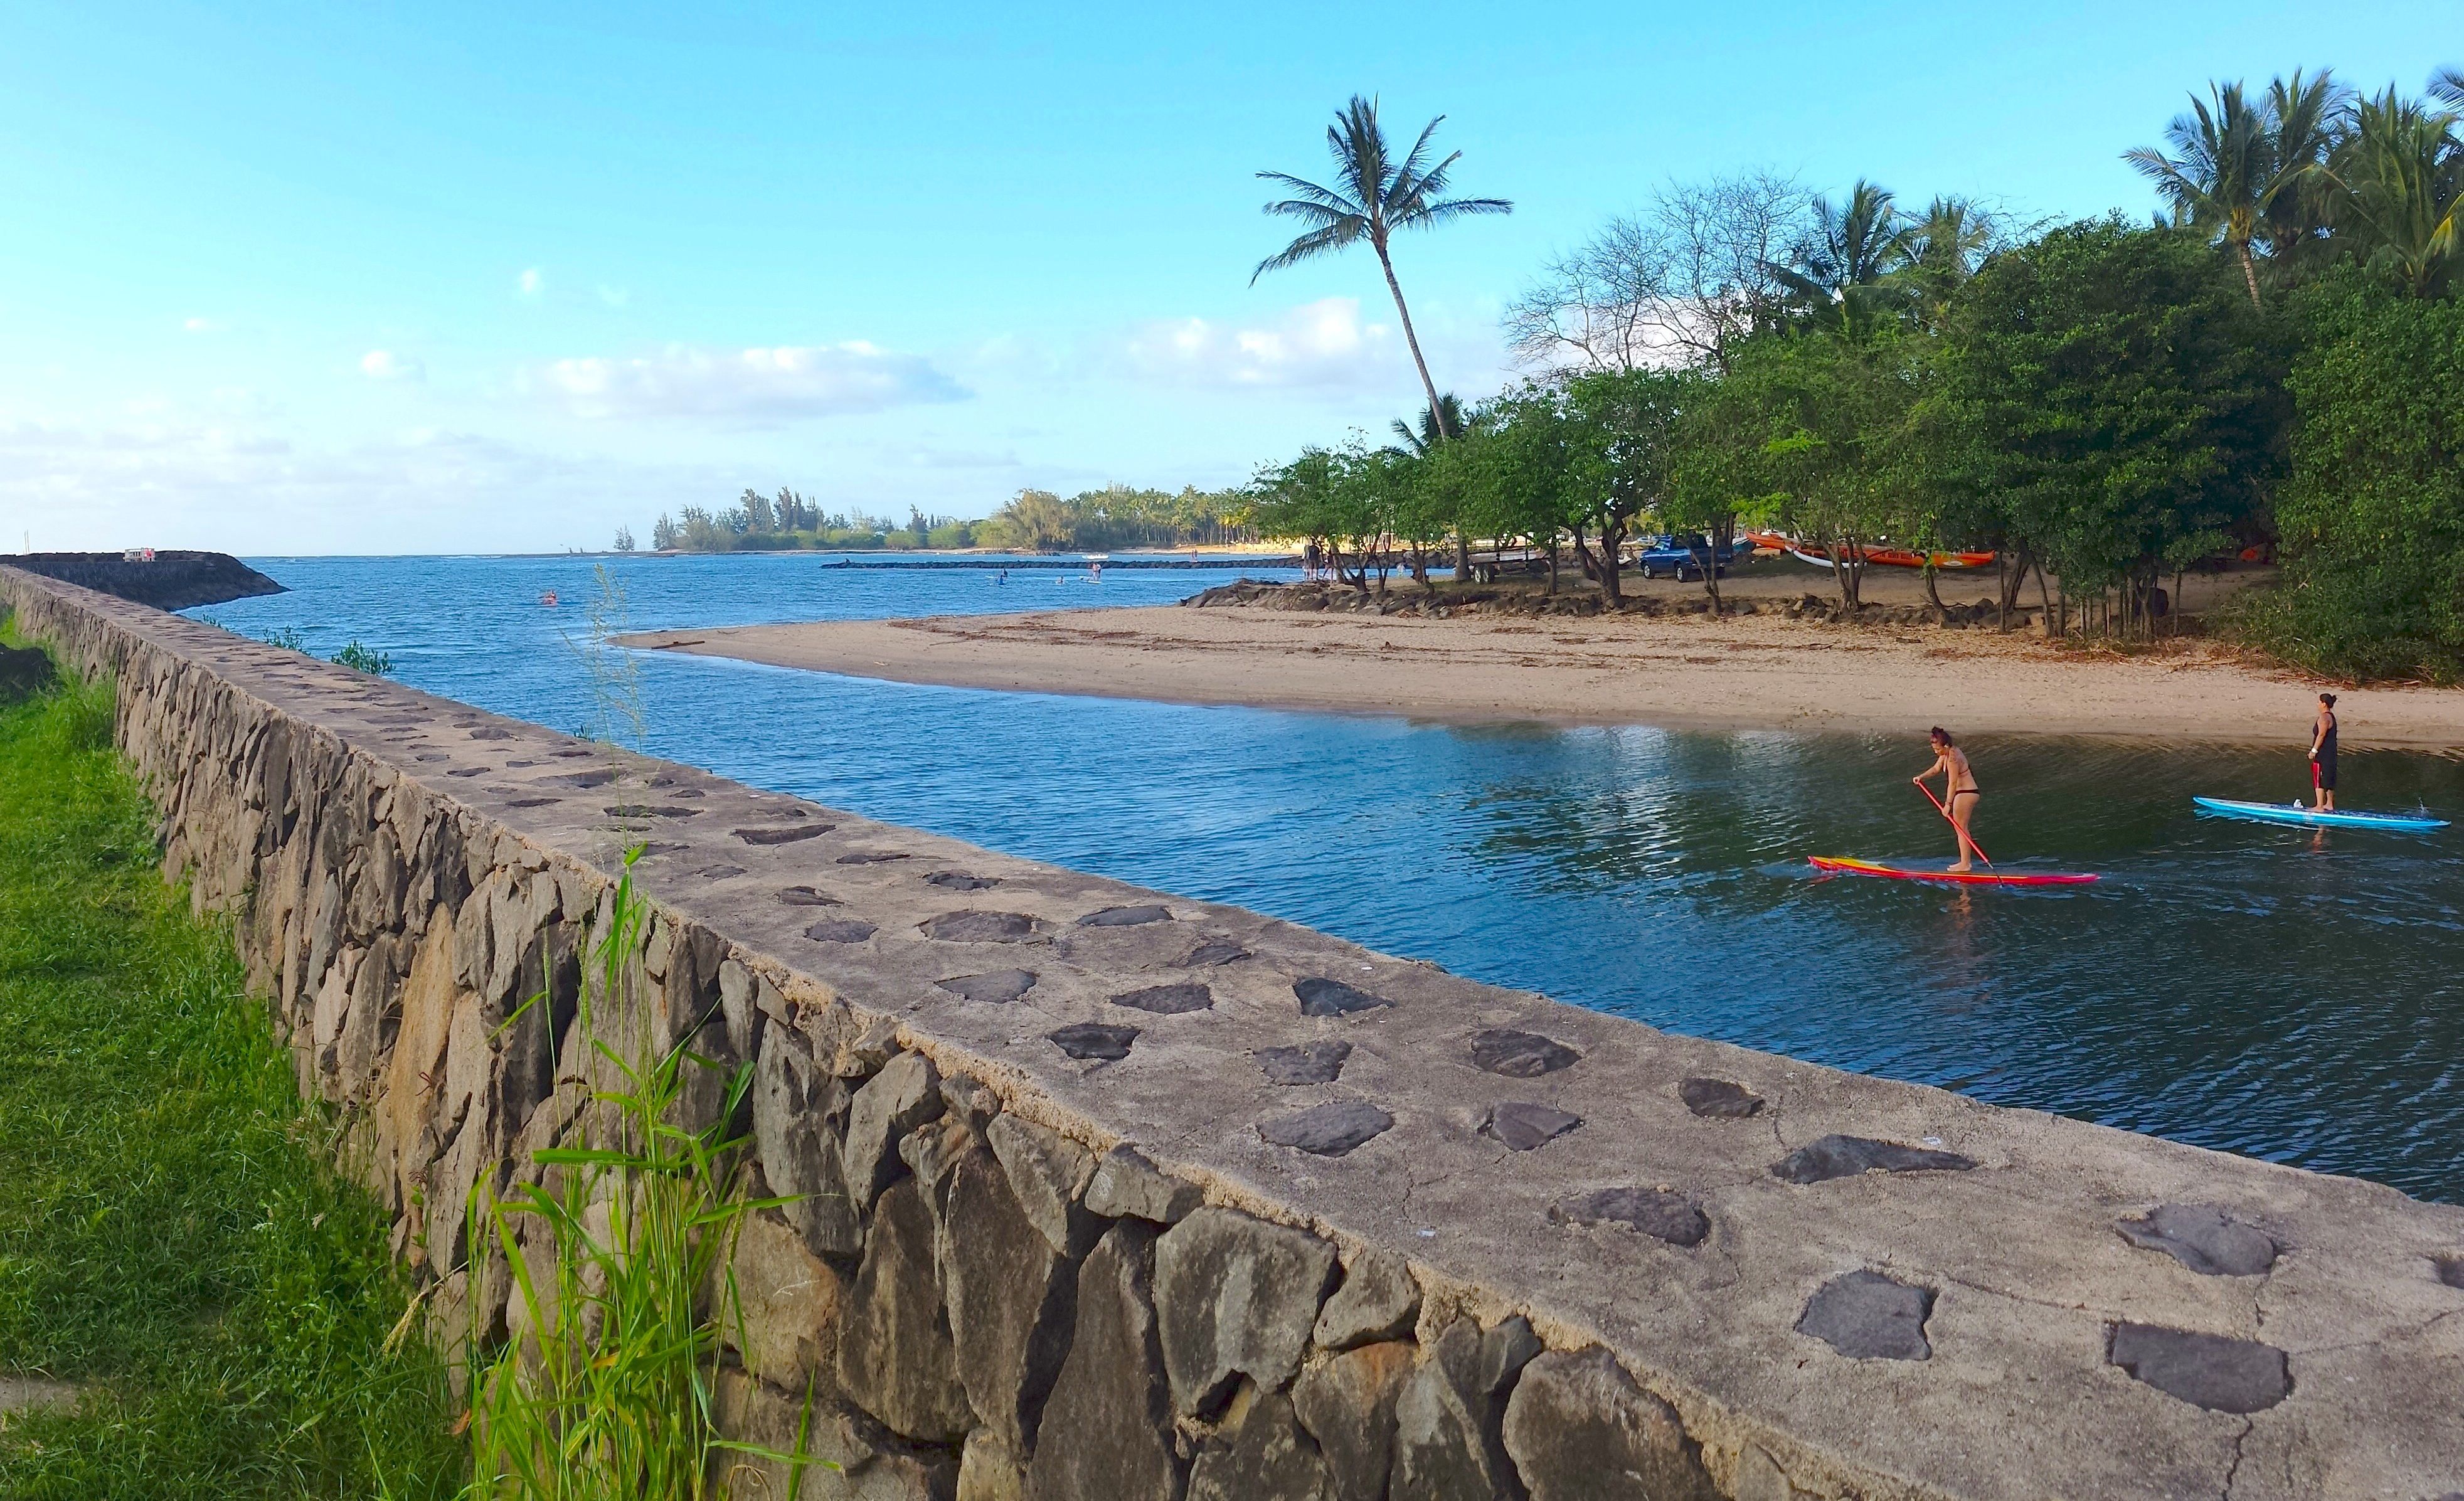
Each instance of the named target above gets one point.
<point>2323,773</point>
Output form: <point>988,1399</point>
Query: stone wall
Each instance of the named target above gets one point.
<point>1111,1193</point>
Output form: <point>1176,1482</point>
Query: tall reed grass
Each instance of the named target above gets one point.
<point>623,1297</point>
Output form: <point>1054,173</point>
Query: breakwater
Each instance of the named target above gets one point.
<point>168,579</point>
<point>1113,1193</point>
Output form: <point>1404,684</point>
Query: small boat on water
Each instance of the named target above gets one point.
<point>1818,555</point>
<point>2311,817</point>
<point>1840,865</point>
<point>547,597</point>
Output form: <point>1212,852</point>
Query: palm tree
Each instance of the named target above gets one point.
<point>2447,87</point>
<point>1940,250</point>
<point>1437,424</point>
<point>2305,113</point>
<point>1839,270</point>
<point>1374,196</point>
<point>2399,181</point>
<point>2228,172</point>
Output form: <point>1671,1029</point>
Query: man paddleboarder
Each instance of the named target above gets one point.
<point>1960,789</point>
<point>2323,753</point>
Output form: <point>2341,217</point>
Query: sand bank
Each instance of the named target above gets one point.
<point>1683,674</point>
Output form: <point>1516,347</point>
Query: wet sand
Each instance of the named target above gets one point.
<point>1686,672</point>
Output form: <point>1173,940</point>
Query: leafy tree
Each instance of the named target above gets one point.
<point>2372,514</point>
<point>1828,416</point>
<point>1374,196</point>
<point>663,536</point>
<point>2117,396</point>
<point>1296,501</point>
<point>624,539</point>
<point>1621,442</point>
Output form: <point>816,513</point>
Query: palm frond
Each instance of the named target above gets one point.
<point>1325,197</point>
<point>2446,86</point>
<point>1315,243</point>
<point>1429,215</point>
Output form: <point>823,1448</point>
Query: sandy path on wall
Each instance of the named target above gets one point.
<point>1686,672</point>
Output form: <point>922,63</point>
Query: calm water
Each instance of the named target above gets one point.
<point>2281,993</point>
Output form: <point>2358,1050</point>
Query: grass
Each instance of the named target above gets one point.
<point>171,1240</point>
<point>610,1391</point>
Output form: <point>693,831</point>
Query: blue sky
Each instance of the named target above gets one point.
<point>290,278</point>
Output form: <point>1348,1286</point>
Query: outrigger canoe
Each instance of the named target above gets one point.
<point>2296,813</point>
<point>1842,866</point>
<point>1820,556</point>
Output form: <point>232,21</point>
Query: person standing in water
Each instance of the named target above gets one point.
<point>1960,789</point>
<point>2323,753</point>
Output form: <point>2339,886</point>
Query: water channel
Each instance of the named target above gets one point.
<point>2275,992</point>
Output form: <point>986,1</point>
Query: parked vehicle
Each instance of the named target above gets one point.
<point>1686,558</point>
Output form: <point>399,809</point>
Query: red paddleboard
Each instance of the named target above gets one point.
<point>1842,866</point>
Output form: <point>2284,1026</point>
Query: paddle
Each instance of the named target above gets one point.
<point>1954,822</point>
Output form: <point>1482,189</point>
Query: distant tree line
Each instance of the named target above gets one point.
<point>1118,517</point>
<point>788,521</point>
<point>1034,520</point>
<point>2276,363</point>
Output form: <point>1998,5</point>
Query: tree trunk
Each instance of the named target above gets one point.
<point>1552,566</point>
<point>1724,536</point>
<point>1583,555</point>
<point>1933,592</point>
<point>2248,274</point>
<point>1612,537</point>
<point>1436,412</point>
<point>1462,557</point>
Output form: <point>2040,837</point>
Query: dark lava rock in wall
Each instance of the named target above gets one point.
<point>174,579</point>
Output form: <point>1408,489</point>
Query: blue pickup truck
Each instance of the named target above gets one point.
<point>1684,558</point>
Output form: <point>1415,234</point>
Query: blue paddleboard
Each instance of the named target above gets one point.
<point>2296,813</point>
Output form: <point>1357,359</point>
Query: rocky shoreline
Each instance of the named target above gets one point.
<point>1413,603</point>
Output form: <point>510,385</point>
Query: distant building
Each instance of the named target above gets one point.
<point>136,555</point>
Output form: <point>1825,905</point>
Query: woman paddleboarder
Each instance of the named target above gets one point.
<point>2323,753</point>
<point>1960,791</point>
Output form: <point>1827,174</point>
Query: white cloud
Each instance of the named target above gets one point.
<point>752,386</point>
<point>531,283</point>
<point>1317,345</point>
<point>614,296</point>
<point>184,484</point>
<point>202,325</point>
<point>384,364</point>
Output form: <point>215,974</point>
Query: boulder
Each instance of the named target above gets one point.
<point>894,1356</point>
<point>988,1470</point>
<point>1580,1430</point>
<point>1049,1173</point>
<point>1347,1402</point>
<point>1235,1297</point>
<point>848,1457</point>
<point>1265,1455</point>
<point>1108,1429</point>
<point>1450,1443</point>
<point>790,1303</point>
<point>903,1095</point>
<point>1378,1300</point>
<point>1126,1184</point>
<point>1012,1301</point>
<point>799,1156</point>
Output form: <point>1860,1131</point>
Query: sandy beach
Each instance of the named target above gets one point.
<point>1686,672</point>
